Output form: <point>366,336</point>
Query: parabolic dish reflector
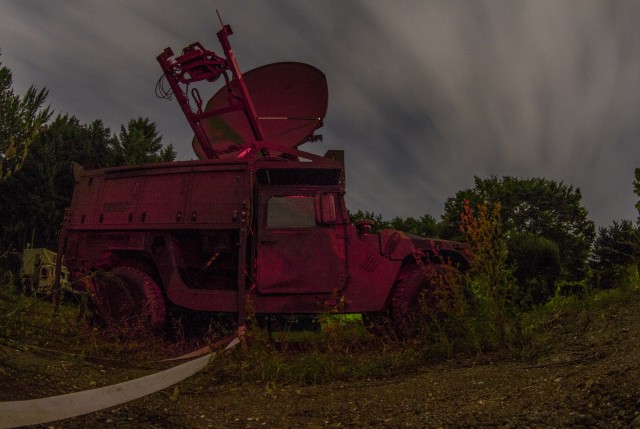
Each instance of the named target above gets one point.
<point>290,101</point>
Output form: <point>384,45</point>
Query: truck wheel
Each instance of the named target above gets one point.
<point>128,296</point>
<point>413,299</point>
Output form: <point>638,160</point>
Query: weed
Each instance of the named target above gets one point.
<point>493,280</point>
<point>342,349</point>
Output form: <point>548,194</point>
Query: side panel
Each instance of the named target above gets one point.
<point>119,200</point>
<point>183,285</point>
<point>86,200</point>
<point>371,274</point>
<point>217,197</point>
<point>183,197</point>
<point>163,198</point>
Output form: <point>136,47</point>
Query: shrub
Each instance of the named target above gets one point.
<point>492,279</point>
<point>537,265</point>
<point>616,255</point>
<point>571,288</point>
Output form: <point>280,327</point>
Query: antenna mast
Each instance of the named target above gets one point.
<point>197,64</point>
<point>292,98</point>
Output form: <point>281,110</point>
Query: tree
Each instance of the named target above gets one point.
<point>33,200</point>
<point>425,226</point>
<point>537,267</point>
<point>21,119</point>
<point>539,206</point>
<point>139,143</point>
<point>616,254</point>
<point>636,189</point>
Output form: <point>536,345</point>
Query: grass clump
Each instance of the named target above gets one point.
<point>475,312</point>
<point>33,319</point>
<point>340,351</point>
<point>474,315</point>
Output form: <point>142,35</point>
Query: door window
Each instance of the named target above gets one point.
<point>293,211</point>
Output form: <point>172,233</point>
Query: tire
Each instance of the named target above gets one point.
<point>127,296</point>
<point>414,300</point>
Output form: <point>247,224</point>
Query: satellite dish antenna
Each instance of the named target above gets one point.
<point>269,110</point>
<point>290,101</point>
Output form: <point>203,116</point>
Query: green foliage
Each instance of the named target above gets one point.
<point>493,282</point>
<point>21,119</point>
<point>139,143</point>
<point>616,254</point>
<point>425,226</point>
<point>539,206</point>
<point>537,267</point>
<point>32,202</point>
<point>447,316</point>
<point>636,188</point>
<point>33,319</point>
<point>572,288</point>
<point>342,350</point>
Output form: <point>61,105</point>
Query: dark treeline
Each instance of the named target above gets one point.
<point>33,199</point>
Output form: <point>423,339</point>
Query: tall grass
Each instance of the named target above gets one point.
<point>32,319</point>
<point>342,350</point>
<point>493,283</point>
<point>475,312</point>
<point>474,316</point>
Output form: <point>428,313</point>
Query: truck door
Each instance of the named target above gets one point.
<point>301,246</point>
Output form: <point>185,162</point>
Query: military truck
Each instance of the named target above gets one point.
<point>37,272</point>
<point>255,220</point>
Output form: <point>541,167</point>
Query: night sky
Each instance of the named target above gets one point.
<point>423,95</point>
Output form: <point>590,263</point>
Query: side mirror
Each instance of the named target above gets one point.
<point>364,226</point>
<point>327,210</point>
